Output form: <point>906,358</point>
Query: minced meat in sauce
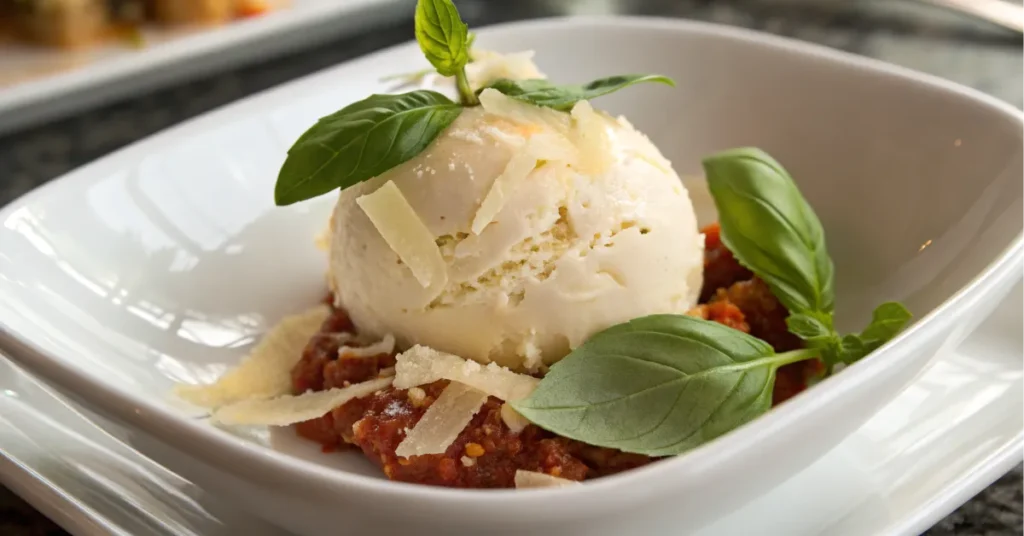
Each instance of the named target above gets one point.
<point>487,453</point>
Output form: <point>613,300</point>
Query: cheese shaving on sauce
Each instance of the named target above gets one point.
<point>513,419</point>
<point>421,365</point>
<point>383,346</point>
<point>533,479</point>
<point>443,421</point>
<point>289,409</point>
<point>266,372</point>
<point>406,234</point>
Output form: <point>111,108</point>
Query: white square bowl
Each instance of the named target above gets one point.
<point>163,262</point>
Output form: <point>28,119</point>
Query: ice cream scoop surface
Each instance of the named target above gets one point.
<point>573,248</point>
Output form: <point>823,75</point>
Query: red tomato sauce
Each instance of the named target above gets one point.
<point>487,453</point>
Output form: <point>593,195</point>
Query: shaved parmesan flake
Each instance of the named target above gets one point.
<point>420,365</point>
<point>266,372</point>
<point>518,167</point>
<point>497,103</point>
<point>403,230</point>
<point>548,146</point>
<point>289,409</point>
<point>443,421</point>
<point>488,66</point>
<point>513,419</point>
<point>383,346</point>
<point>589,133</point>
<point>533,479</point>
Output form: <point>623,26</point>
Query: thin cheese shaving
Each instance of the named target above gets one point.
<point>513,419</point>
<point>533,479</point>
<point>548,146</point>
<point>421,365</point>
<point>590,135</point>
<point>383,346</point>
<point>488,66</point>
<point>518,167</point>
<point>497,103</point>
<point>288,409</point>
<point>266,372</point>
<point>406,234</point>
<point>443,421</point>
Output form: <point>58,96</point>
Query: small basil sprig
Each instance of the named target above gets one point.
<point>361,141</point>
<point>816,330</point>
<point>563,97</point>
<point>369,137</point>
<point>658,385</point>
<point>887,321</point>
<point>772,230</point>
<point>444,40</point>
<point>376,134</point>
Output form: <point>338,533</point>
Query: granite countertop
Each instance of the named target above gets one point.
<point>899,31</point>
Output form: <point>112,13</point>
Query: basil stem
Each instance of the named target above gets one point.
<point>466,95</point>
<point>772,230</point>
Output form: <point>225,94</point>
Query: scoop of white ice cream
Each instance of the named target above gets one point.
<point>593,230</point>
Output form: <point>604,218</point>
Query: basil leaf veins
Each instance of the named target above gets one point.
<point>541,92</point>
<point>442,35</point>
<point>658,385</point>
<point>774,232</point>
<point>361,141</point>
<point>771,229</point>
<point>445,41</point>
<point>887,321</point>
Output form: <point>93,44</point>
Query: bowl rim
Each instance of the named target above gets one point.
<point>238,456</point>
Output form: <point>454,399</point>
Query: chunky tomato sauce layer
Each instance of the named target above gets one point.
<point>487,453</point>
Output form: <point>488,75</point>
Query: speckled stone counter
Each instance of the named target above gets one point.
<point>898,31</point>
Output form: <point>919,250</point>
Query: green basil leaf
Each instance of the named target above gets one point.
<point>362,141</point>
<point>442,35</point>
<point>657,385</point>
<point>808,327</point>
<point>851,349</point>
<point>816,330</point>
<point>887,320</point>
<point>771,229</point>
<point>544,93</point>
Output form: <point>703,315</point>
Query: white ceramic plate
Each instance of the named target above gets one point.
<point>164,261</point>
<point>37,83</point>
<point>949,434</point>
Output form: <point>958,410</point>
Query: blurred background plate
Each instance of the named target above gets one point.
<point>39,83</point>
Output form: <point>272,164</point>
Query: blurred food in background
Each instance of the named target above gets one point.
<point>81,23</point>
